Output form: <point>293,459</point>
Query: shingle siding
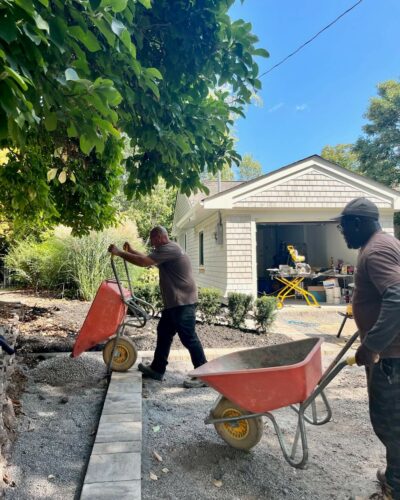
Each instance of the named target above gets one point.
<point>312,189</point>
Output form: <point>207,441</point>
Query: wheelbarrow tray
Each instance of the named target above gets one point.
<point>266,378</point>
<point>103,319</point>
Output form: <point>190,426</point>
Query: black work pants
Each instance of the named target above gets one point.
<point>180,320</point>
<point>384,408</point>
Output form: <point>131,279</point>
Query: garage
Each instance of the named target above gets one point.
<point>319,242</point>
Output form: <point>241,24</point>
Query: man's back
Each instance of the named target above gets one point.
<point>378,268</point>
<point>177,284</point>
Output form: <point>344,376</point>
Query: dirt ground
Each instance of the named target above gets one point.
<point>344,453</point>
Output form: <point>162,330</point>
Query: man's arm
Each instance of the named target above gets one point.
<point>137,258</point>
<point>387,327</point>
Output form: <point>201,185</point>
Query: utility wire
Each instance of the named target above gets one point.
<point>311,39</point>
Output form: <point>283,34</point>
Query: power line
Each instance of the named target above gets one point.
<point>311,39</point>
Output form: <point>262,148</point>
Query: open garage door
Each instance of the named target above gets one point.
<point>319,242</point>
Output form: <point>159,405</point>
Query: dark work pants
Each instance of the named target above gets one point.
<point>384,408</point>
<point>180,320</point>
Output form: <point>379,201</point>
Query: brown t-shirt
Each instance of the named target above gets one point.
<point>177,284</point>
<point>378,268</point>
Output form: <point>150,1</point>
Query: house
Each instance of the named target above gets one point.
<point>237,231</point>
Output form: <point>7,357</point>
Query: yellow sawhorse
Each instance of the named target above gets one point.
<point>292,285</point>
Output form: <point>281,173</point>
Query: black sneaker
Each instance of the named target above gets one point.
<point>148,372</point>
<point>193,383</point>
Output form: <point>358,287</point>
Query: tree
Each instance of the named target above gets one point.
<point>343,155</point>
<point>156,208</point>
<point>249,168</point>
<point>79,81</point>
<point>226,174</point>
<point>379,149</point>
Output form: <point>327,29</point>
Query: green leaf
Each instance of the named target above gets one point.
<point>72,177</point>
<point>86,144</point>
<point>86,37</point>
<point>26,5</point>
<point>146,3</point>
<point>50,121</point>
<point>154,88</point>
<point>154,73</point>
<point>71,74</point>
<point>126,40</point>
<point>17,77</point>
<point>41,23</point>
<point>51,174</point>
<point>62,177</point>
<point>116,5</point>
<point>8,30</point>
<point>71,131</point>
<point>261,53</point>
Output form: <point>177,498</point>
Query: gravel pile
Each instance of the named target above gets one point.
<point>63,369</point>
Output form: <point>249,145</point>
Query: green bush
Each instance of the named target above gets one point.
<point>38,264</point>
<point>265,312</point>
<point>148,289</point>
<point>239,304</point>
<point>77,264</point>
<point>209,304</point>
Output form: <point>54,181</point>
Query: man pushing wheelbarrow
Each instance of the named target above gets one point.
<point>179,294</point>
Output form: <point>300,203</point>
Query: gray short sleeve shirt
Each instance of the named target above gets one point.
<point>177,284</point>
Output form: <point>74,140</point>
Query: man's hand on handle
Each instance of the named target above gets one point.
<point>113,249</point>
<point>365,356</point>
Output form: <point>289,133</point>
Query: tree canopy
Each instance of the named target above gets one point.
<point>88,86</point>
<point>379,149</point>
<point>341,154</point>
<point>249,168</point>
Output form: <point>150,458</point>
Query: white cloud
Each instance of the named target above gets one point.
<point>276,107</point>
<point>301,107</point>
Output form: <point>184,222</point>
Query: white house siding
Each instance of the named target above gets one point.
<point>182,206</point>
<point>213,273</point>
<point>239,238</point>
<point>311,189</point>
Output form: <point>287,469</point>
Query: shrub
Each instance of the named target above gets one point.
<point>38,264</point>
<point>80,264</point>
<point>265,312</point>
<point>239,304</point>
<point>146,287</point>
<point>209,304</point>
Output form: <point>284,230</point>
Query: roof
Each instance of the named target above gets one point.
<point>213,187</point>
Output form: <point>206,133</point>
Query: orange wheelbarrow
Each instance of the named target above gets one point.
<point>113,309</point>
<point>254,382</point>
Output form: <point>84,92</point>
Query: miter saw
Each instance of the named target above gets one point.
<point>302,269</point>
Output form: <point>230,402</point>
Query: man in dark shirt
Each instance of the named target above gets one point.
<point>179,293</point>
<point>376,310</point>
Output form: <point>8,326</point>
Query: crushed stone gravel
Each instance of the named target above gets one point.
<point>62,369</point>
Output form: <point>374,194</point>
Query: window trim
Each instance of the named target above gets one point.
<point>201,249</point>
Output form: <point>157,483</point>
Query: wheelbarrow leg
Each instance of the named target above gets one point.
<point>342,325</point>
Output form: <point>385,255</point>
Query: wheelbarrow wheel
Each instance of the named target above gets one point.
<point>125,354</point>
<point>242,434</point>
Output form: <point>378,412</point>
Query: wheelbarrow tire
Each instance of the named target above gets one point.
<point>243,436</point>
<point>125,354</point>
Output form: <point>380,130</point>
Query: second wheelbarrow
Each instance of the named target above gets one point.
<point>114,309</point>
<point>253,382</point>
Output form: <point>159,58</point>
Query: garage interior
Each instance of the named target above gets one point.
<point>320,242</point>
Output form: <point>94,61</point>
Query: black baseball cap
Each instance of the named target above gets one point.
<point>359,207</point>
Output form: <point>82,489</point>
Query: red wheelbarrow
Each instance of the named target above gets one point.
<point>254,382</point>
<point>112,310</point>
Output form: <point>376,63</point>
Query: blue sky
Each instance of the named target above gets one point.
<point>318,96</point>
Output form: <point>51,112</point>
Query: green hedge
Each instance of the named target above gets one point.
<point>239,305</point>
<point>265,312</point>
<point>209,304</point>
